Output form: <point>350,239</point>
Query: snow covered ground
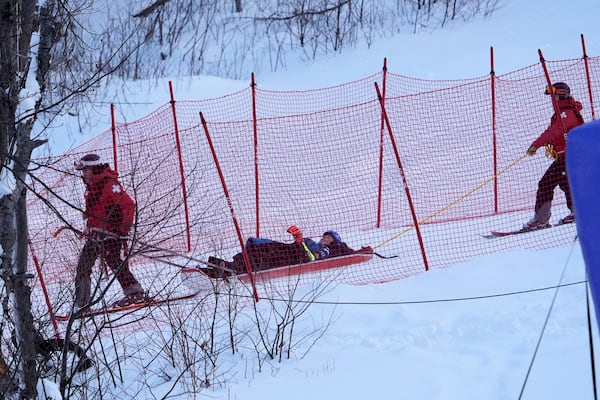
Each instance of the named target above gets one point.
<point>468,332</point>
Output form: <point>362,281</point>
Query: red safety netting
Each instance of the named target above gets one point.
<point>321,159</point>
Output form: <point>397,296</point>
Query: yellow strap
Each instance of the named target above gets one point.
<point>308,252</point>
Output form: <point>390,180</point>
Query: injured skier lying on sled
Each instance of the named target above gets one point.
<point>266,253</point>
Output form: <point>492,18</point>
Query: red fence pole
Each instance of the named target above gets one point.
<point>380,183</point>
<point>587,75</point>
<point>230,204</point>
<point>256,185</point>
<point>181,170</point>
<point>552,94</point>
<point>494,128</point>
<point>397,154</point>
<point>44,290</point>
<point>113,129</point>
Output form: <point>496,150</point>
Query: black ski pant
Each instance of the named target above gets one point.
<point>109,250</point>
<point>555,175</point>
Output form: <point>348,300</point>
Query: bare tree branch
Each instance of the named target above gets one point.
<point>150,9</point>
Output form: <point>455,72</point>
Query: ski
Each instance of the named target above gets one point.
<point>497,234</point>
<point>130,307</point>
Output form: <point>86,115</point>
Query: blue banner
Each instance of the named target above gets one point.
<point>583,171</point>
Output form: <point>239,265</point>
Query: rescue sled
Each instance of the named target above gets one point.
<point>360,256</point>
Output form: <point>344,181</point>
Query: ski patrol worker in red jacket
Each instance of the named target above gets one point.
<point>109,214</point>
<point>554,139</point>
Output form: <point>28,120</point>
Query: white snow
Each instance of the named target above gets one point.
<point>7,181</point>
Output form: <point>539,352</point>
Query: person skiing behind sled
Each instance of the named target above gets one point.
<point>109,214</point>
<point>554,139</point>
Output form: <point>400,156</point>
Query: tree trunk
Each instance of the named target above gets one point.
<point>17,23</point>
<point>14,240</point>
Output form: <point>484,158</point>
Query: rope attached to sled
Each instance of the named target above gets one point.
<point>458,200</point>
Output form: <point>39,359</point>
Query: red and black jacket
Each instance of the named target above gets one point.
<point>554,134</point>
<point>107,206</point>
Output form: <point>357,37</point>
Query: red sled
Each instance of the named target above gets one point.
<point>360,256</point>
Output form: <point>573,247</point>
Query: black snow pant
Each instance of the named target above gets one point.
<point>269,255</point>
<point>109,250</point>
<point>555,175</point>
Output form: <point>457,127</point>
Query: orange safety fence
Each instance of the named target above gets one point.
<point>322,160</point>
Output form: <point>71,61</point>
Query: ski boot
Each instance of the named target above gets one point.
<point>132,298</point>
<point>569,219</point>
<point>533,224</point>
